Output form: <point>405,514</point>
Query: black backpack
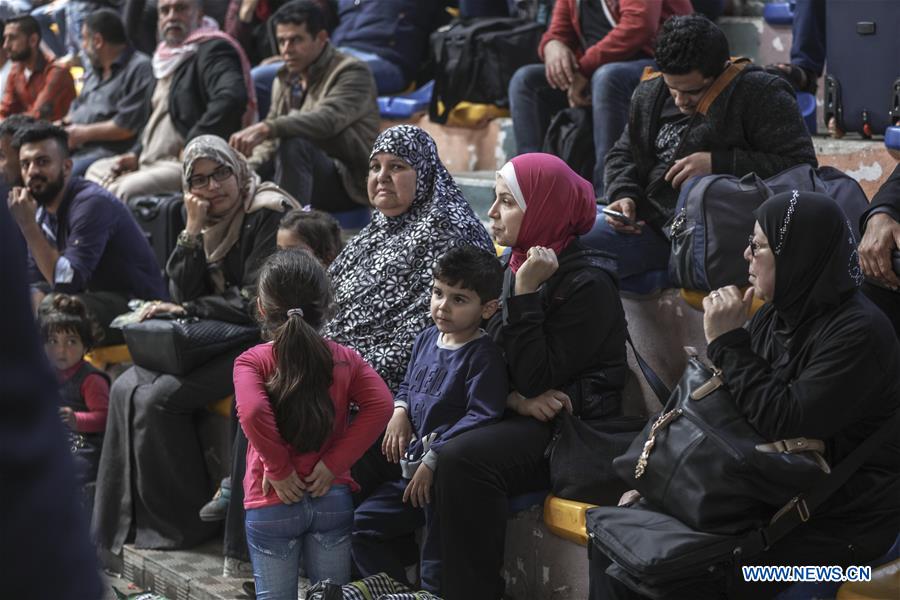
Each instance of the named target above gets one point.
<point>571,137</point>
<point>475,59</point>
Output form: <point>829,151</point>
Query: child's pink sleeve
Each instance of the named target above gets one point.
<point>95,391</point>
<point>256,416</point>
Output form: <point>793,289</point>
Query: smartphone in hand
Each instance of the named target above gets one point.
<point>620,217</point>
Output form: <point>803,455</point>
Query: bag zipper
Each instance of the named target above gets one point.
<point>709,386</point>
<point>711,434</point>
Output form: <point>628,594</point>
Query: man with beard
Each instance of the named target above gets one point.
<point>203,87</point>
<point>35,86</point>
<point>81,240</point>
<point>9,158</point>
<point>112,108</point>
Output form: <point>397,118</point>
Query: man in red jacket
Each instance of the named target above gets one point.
<point>594,53</point>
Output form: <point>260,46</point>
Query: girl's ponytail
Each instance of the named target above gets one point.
<point>295,295</point>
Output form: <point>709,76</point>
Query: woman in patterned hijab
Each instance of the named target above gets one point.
<point>382,278</point>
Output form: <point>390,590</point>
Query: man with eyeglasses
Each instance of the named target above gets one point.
<point>316,139</point>
<point>81,240</point>
<point>748,123</point>
<point>202,87</point>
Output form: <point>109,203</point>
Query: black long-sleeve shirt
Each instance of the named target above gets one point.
<point>192,286</point>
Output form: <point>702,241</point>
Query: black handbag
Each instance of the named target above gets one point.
<point>475,59</point>
<point>178,346</point>
<point>571,138</point>
<point>703,463</point>
<point>654,553</point>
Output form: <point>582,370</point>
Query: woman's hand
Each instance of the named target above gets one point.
<point>419,489</point>
<point>156,308</point>
<point>543,408</point>
<point>397,435</point>
<point>319,481</point>
<point>68,417</point>
<point>289,490</point>
<point>197,209</point>
<point>540,265</point>
<point>629,498</point>
<point>725,310</point>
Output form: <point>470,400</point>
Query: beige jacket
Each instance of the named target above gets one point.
<point>339,113</point>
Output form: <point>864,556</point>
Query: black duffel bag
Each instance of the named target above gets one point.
<point>475,59</point>
<point>571,138</point>
<point>702,462</point>
<point>178,346</point>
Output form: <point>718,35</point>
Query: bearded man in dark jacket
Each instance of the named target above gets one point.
<point>202,88</point>
<point>688,120</point>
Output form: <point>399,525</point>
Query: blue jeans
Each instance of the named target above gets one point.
<point>808,45</point>
<point>643,259</point>
<point>314,530</point>
<point>533,103</point>
<point>389,78</point>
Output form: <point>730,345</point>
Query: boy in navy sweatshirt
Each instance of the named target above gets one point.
<point>456,380</point>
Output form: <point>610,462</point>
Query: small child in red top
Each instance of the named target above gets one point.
<point>69,333</point>
<point>293,397</point>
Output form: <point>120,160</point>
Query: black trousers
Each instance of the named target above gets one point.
<point>888,301</point>
<point>824,543</point>
<point>478,472</point>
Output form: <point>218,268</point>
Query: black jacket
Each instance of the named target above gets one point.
<point>754,125</point>
<point>190,282</point>
<point>838,385</point>
<point>886,200</point>
<point>569,335</point>
<point>208,94</point>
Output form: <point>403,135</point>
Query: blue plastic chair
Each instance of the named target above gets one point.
<point>404,106</point>
<point>892,137</point>
<point>807,104</point>
<point>779,13</point>
<point>525,501</point>
<point>353,219</point>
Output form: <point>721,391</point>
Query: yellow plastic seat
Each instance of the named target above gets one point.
<point>222,407</point>
<point>104,356</point>
<point>471,115</point>
<point>694,298</point>
<point>885,584</point>
<point>566,518</point>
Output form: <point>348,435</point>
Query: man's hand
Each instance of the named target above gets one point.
<point>289,490</point>
<point>560,65</point>
<point>419,489</point>
<point>76,135</point>
<point>725,310</point>
<point>627,207</point>
<point>68,417</point>
<point>543,408</point>
<point>319,481</point>
<point>197,208</point>
<point>882,235</point>
<point>397,435</point>
<point>245,140</point>
<point>698,163</point>
<point>578,92</point>
<point>540,265</point>
<point>125,163</point>
<point>22,206</point>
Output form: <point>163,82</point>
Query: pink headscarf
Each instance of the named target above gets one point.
<point>559,204</point>
<point>166,59</point>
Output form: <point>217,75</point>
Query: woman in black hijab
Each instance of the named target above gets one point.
<point>818,360</point>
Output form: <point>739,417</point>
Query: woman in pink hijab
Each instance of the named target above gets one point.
<point>562,329</point>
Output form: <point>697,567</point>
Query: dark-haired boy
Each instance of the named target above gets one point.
<point>753,125</point>
<point>456,381</point>
<point>81,239</point>
<point>323,119</point>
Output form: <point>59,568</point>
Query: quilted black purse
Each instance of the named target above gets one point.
<point>178,346</point>
<point>702,462</point>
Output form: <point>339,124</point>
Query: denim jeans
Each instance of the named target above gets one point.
<point>808,45</point>
<point>533,103</point>
<point>643,259</point>
<point>314,530</point>
<point>389,78</point>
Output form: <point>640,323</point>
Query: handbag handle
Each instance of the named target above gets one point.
<point>656,384</point>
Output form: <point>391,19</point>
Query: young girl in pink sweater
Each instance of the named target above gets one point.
<point>293,396</point>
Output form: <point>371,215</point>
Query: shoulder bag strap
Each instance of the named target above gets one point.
<point>733,69</point>
<point>656,384</point>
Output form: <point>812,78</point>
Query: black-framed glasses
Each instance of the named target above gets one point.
<point>755,246</point>
<point>198,182</point>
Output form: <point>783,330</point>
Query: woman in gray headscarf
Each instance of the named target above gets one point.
<point>232,222</point>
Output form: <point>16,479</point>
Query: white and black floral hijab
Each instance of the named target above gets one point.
<point>382,278</point>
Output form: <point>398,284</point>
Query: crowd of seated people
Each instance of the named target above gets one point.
<point>410,378</point>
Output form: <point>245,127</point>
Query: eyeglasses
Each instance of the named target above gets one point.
<point>755,246</point>
<point>198,182</point>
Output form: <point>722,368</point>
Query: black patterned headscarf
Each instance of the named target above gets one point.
<point>382,278</point>
<point>816,260</point>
